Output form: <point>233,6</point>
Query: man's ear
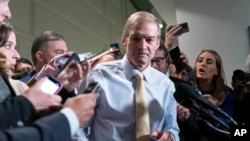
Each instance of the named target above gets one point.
<point>39,56</point>
<point>158,44</point>
<point>124,41</point>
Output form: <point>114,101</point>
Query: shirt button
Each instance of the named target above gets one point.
<point>20,123</point>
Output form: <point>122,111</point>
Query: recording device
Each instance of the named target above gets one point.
<point>92,87</point>
<point>186,92</point>
<point>63,62</point>
<point>184,28</point>
<point>242,77</point>
<point>51,85</point>
<point>177,61</point>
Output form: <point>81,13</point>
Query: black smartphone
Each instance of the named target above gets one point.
<point>51,85</point>
<point>177,61</point>
<point>92,87</point>
<point>66,60</point>
<point>184,28</point>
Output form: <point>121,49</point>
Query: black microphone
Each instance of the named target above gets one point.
<point>185,92</point>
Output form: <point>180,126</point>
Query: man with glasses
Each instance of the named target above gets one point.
<point>161,60</point>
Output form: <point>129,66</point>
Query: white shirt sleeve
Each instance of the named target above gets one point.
<point>72,119</point>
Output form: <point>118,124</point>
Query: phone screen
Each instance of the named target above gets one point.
<point>50,85</point>
<point>184,28</point>
<point>177,61</point>
<point>68,60</point>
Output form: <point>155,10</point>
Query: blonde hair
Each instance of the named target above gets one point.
<point>137,18</point>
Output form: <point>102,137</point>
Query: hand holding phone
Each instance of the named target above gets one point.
<point>92,87</point>
<point>184,28</point>
<point>64,61</point>
<point>177,61</point>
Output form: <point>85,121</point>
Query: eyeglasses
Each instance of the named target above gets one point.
<point>158,60</point>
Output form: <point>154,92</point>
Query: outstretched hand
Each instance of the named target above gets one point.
<point>170,35</point>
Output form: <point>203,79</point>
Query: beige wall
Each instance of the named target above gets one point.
<point>87,25</point>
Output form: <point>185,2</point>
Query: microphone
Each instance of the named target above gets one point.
<point>185,92</point>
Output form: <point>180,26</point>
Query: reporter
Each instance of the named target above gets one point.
<point>7,48</point>
<point>210,80</point>
<point>59,126</point>
<point>45,46</point>
<point>19,110</point>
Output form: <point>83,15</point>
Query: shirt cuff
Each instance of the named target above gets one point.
<point>72,119</point>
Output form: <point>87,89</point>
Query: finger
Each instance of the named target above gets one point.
<point>56,99</point>
<point>96,95</point>
<point>155,134</point>
<point>86,68</point>
<point>79,70</point>
<point>168,28</point>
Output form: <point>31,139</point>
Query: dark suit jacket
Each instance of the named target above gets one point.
<point>15,111</point>
<point>50,128</point>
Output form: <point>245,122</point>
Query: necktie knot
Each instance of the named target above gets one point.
<point>139,76</point>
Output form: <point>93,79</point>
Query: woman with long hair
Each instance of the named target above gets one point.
<point>210,81</point>
<point>9,52</point>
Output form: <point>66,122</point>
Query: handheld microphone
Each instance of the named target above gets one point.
<point>185,92</point>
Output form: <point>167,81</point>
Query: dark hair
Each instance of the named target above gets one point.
<point>24,60</point>
<point>164,49</point>
<point>5,30</point>
<point>41,42</point>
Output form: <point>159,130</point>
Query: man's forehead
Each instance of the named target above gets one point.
<point>142,34</point>
<point>4,0</point>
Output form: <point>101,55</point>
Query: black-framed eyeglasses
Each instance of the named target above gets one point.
<point>158,60</point>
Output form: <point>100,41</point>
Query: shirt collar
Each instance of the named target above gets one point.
<point>130,71</point>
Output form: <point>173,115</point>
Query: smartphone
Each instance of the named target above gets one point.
<point>61,60</point>
<point>51,85</point>
<point>92,87</point>
<point>184,28</point>
<point>66,60</point>
<point>177,61</point>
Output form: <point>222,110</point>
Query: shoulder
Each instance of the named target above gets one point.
<point>156,77</point>
<point>230,94</point>
<point>18,86</point>
<point>230,91</point>
<point>108,67</point>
